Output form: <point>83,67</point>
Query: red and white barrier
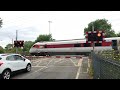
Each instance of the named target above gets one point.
<point>37,57</point>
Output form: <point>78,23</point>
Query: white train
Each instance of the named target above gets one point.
<point>67,47</point>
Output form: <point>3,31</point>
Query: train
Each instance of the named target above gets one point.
<point>70,47</point>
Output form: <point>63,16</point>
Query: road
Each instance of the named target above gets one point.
<point>57,68</point>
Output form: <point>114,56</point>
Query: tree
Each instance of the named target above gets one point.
<point>9,46</point>
<point>44,38</point>
<point>118,34</point>
<point>1,22</point>
<point>1,49</point>
<point>101,24</point>
<point>27,46</point>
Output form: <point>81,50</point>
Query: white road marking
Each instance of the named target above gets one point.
<point>73,62</point>
<point>61,66</point>
<point>38,66</point>
<point>49,62</point>
<point>88,65</point>
<point>41,61</point>
<point>37,60</point>
<point>38,63</point>
<point>88,62</point>
<point>78,72</point>
<point>62,61</point>
<point>58,60</point>
<point>34,72</point>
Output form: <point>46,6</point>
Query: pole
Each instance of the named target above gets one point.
<point>49,26</point>
<point>12,43</point>
<point>93,31</point>
<point>16,41</point>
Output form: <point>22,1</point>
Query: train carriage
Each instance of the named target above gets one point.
<point>69,47</point>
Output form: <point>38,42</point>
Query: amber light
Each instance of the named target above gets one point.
<point>98,34</point>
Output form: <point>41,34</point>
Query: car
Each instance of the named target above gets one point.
<point>10,63</point>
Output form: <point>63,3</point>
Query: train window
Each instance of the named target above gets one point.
<point>45,46</point>
<point>98,44</point>
<point>41,46</point>
<point>76,45</point>
<point>36,46</point>
<point>87,44</point>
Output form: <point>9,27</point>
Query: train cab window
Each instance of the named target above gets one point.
<point>98,44</point>
<point>87,44</point>
<point>45,46</point>
<point>41,46</point>
<point>36,46</point>
<point>76,45</point>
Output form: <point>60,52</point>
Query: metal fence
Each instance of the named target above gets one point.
<point>105,68</point>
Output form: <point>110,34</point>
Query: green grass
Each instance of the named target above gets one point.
<point>110,54</point>
<point>90,70</point>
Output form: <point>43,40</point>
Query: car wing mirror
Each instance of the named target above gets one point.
<point>24,59</point>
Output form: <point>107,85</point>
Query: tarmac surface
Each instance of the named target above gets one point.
<point>63,67</point>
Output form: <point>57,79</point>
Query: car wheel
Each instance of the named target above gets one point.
<point>28,68</point>
<point>6,74</point>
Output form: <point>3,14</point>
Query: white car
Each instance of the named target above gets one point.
<point>13,62</point>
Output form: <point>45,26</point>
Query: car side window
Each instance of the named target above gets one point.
<point>11,58</point>
<point>17,57</point>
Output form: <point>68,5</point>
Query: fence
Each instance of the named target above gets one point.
<point>105,68</point>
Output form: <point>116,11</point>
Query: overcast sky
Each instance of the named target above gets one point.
<point>65,24</point>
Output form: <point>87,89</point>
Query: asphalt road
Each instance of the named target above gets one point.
<point>57,68</point>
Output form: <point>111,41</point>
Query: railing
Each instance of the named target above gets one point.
<point>106,65</point>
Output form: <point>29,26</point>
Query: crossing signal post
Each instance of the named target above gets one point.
<point>95,37</point>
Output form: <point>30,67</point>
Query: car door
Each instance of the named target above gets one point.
<point>12,63</point>
<point>21,62</point>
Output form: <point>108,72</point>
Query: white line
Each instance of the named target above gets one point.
<point>78,72</point>
<point>35,61</point>
<point>88,65</point>
<point>73,62</point>
<point>58,60</point>
<point>63,61</point>
<point>49,62</point>
<point>38,63</point>
<point>34,72</point>
<point>61,66</point>
<point>39,69</point>
<point>88,62</point>
<point>38,66</point>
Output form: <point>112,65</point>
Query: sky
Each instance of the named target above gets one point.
<point>64,24</point>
